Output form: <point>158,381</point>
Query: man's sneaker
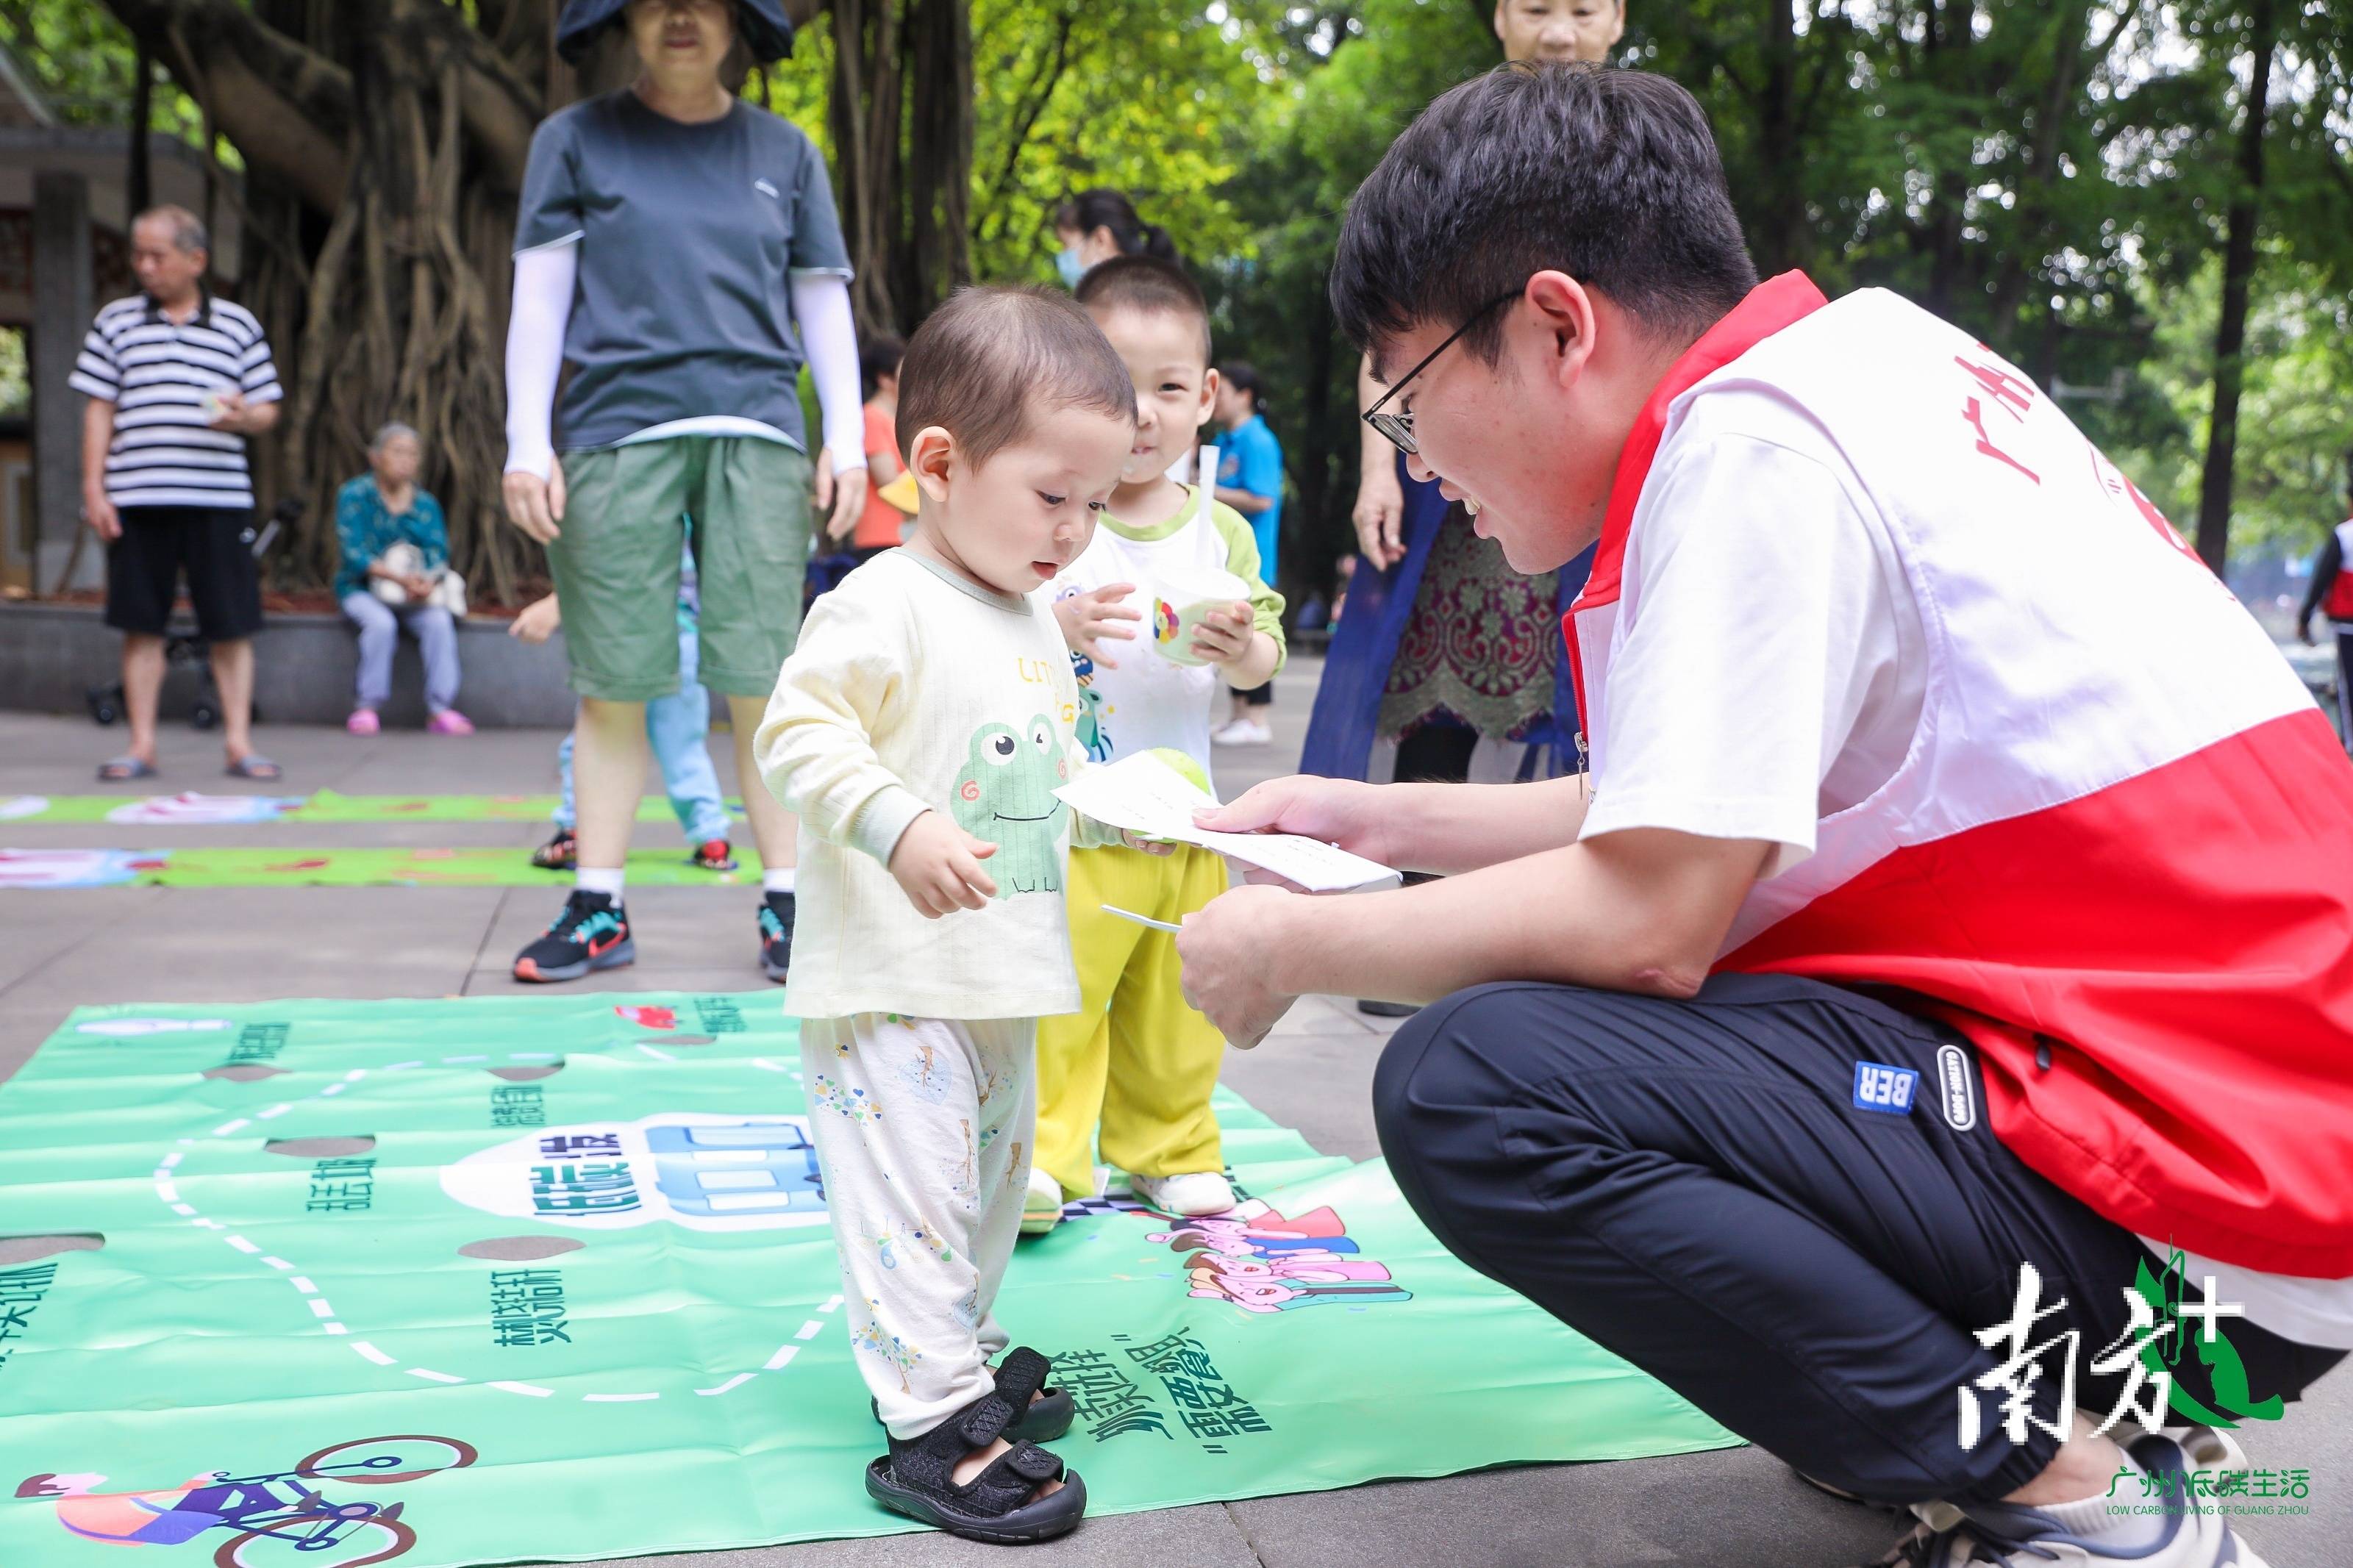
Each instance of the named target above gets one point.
<point>561,853</point>
<point>593,933</point>
<point>2192,1532</point>
<point>777,935</point>
<point>1192,1192</point>
<point>713,854</point>
<point>1244,733</point>
<point>1041,1207</point>
<point>1373,1009</point>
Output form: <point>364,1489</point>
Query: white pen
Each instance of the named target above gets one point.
<point>1139,920</point>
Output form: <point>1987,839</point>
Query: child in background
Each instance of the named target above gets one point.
<point>918,732</point>
<point>676,729</point>
<point>1136,1058</point>
<point>881,525</point>
<point>1250,480</point>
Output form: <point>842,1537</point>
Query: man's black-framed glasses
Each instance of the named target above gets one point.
<point>1398,426</point>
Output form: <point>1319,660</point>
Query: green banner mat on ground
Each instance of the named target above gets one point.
<point>194,808</point>
<point>550,1278</point>
<point>369,866</point>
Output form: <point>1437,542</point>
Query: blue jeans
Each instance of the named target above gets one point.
<point>676,726</point>
<point>379,625</point>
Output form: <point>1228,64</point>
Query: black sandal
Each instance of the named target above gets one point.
<point>561,853</point>
<point>914,1478</point>
<point>1048,1417</point>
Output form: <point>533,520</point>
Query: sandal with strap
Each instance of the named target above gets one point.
<point>916,1478</point>
<point>561,853</point>
<point>1048,1415</point>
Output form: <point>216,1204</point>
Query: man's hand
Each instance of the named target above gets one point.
<point>1379,516</point>
<point>538,621</point>
<point>2303,632</point>
<point>100,513</point>
<point>242,418</point>
<point>937,866</point>
<point>840,495</point>
<point>1224,947</point>
<point>418,584</point>
<point>1224,636</point>
<point>533,504</point>
<point>1345,812</point>
<point>1087,618</point>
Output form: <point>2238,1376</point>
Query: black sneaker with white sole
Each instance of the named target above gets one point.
<point>776,911</point>
<point>593,933</point>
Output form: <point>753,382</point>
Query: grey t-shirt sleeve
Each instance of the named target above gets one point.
<point>551,185</point>
<point>817,244</point>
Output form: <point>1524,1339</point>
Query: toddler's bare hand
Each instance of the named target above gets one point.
<point>1224,634</point>
<point>1088,618</point>
<point>938,865</point>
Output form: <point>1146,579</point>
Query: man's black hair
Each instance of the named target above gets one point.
<point>1608,175</point>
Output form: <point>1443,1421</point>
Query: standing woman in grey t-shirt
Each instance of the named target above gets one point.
<point>678,248</point>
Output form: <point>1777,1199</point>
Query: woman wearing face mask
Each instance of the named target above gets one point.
<point>1096,225</point>
<point>678,247</point>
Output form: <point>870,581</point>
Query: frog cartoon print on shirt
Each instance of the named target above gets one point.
<point>1006,795</point>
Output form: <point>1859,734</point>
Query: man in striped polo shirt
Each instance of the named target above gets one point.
<point>177,380</point>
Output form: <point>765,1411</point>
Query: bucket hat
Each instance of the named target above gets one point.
<point>763,25</point>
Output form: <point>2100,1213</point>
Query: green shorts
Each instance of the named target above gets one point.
<point>743,504</point>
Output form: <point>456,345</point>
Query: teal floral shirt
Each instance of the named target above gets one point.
<point>366,529</point>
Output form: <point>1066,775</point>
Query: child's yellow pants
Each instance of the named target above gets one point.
<point>1134,1056</point>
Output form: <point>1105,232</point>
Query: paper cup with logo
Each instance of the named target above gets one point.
<point>1182,599</point>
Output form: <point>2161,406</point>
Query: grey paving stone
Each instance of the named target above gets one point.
<point>226,944</point>
<point>1735,1509</point>
<point>1203,1537</point>
<point>39,928</point>
<point>1730,1508</point>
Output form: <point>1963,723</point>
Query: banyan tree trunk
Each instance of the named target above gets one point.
<point>398,324</point>
<point>384,143</point>
<point>901,117</point>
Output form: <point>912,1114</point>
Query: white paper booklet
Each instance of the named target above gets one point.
<point>1146,796</point>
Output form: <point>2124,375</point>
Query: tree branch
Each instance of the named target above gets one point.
<point>288,108</point>
<point>1049,76</point>
<point>499,107</point>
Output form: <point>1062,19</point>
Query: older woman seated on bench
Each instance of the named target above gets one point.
<point>396,573</point>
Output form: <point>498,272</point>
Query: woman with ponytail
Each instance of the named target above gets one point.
<point>1096,225</point>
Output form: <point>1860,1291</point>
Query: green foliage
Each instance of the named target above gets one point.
<point>15,376</point>
<point>2052,174</point>
<point>81,60</point>
<point>2296,425</point>
<point>1159,100</point>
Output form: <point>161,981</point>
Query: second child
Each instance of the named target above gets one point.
<point>1136,1060</point>
<point>919,731</point>
<point>881,526</point>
